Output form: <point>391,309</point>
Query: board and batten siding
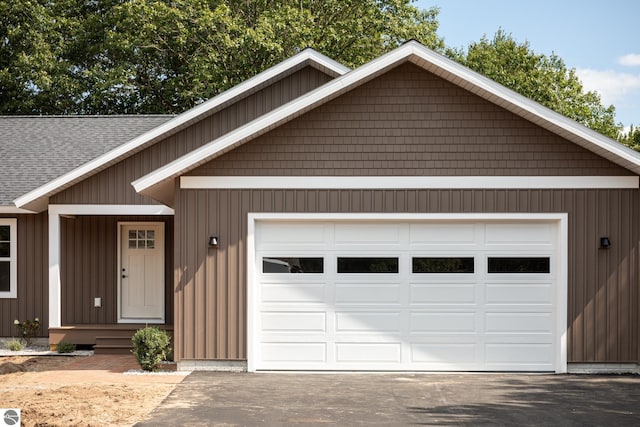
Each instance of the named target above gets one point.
<point>89,267</point>
<point>113,185</point>
<point>211,284</point>
<point>409,122</point>
<point>33,276</point>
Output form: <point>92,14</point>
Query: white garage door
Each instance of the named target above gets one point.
<point>343,295</point>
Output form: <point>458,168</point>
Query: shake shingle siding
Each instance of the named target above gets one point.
<point>409,122</point>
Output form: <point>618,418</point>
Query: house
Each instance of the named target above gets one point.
<point>409,214</point>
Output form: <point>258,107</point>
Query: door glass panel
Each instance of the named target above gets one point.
<point>367,265</point>
<point>5,276</point>
<point>519,265</point>
<point>292,265</point>
<point>141,239</point>
<point>443,265</point>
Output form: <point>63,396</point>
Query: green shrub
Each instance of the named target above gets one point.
<point>65,347</point>
<point>151,346</point>
<point>14,345</point>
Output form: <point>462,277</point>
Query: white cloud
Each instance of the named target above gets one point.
<point>611,85</point>
<point>630,60</point>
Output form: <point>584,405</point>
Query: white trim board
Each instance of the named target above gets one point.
<point>427,59</point>
<point>13,210</point>
<point>110,210</point>
<point>562,273</point>
<point>38,198</point>
<point>407,182</point>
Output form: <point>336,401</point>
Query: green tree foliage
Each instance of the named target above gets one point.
<point>161,56</point>
<point>631,138</point>
<point>545,79</point>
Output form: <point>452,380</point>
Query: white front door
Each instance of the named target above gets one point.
<point>141,273</point>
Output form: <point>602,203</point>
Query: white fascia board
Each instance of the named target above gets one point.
<point>110,210</point>
<point>14,210</point>
<point>408,182</point>
<point>182,120</point>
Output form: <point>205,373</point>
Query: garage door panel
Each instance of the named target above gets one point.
<point>368,235</point>
<point>367,293</point>
<point>520,234</point>
<point>519,338</point>
<point>519,322</point>
<point>367,352</point>
<point>519,354</point>
<point>441,312</point>
<point>443,235</point>
<point>443,322</point>
<point>298,352</point>
<point>444,353</point>
<point>296,292</point>
<point>372,321</point>
<point>279,235</point>
<point>292,321</point>
<point>443,293</point>
<point>519,293</point>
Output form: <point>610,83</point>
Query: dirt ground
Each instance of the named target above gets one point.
<point>80,391</point>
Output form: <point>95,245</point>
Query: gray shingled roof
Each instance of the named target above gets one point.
<point>36,149</point>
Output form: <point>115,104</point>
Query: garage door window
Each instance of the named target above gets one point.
<point>519,265</point>
<point>367,265</point>
<point>292,265</point>
<point>443,265</point>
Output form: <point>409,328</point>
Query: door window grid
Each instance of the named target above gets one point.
<point>142,239</point>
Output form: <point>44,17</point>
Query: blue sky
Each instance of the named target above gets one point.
<point>600,39</point>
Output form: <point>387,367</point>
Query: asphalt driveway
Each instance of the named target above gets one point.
<point>274,399</point>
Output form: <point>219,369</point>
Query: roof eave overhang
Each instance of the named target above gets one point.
<point>38,198</point>
<point>13,210</point>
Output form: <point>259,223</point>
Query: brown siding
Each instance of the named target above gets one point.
<point>603,295</point>
<point>33,276</point>
<point>409,122</point>
<point>113,185</point>
<point>89,267</point>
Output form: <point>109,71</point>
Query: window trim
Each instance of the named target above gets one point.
<point>12,258</point>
